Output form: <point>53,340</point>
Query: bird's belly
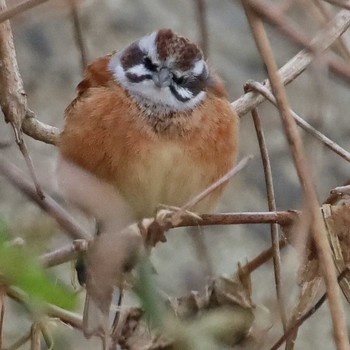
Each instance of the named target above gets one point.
<point>167,175</point>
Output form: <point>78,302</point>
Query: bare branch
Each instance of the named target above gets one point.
<point>15,176</point>
<point>212,187</point>
<point>303,318</point>
<point>318,230</point>
<point>78,34</point>
<point>39,130</point>
<point>301,122</point>
<point>21,341</point>
<point>339,3</point>
<point>271,202</point>
<point>202,26</point>
<point>273,15</point>
<point>52,310</point>
<point>64,254</point>
<point>2,317</point>
<point>13,98</point>
<point>294,67</point>
<point>24,6</point>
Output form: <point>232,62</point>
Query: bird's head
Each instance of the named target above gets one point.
<point>164,69</point>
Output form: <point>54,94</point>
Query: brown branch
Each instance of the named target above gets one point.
<point>13,99</point>
<point>294,67</point>
<point>324,18</point>
<point>2,316</point>
<point>333,146</point>
<point>24,6</point>
<point>271,202</point>
<point>339,3</point>
<point>39,130</point>
<point>21,341</point>
<point>286,26</point>
<point>78,34</point>
<point>262,258</point>
<point>303,318</point>
<point>318,230</point>
<point>35,337</point>
<point>15,176</point>
<point>211,188</point>
<point>283,218</point>
<point>54,311</point>
<point>64,254</point>
<point>202,26</point>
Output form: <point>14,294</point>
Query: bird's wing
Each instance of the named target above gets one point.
<point>96,74</point>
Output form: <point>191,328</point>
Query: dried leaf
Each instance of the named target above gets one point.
<point>337,220</point>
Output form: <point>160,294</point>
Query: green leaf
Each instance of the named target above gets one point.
<point>19,268</point>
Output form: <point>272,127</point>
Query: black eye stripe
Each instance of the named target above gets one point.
<point>149,64</point>
<point>138,78</point>
<point>179,80</point>
<point>177,95</point>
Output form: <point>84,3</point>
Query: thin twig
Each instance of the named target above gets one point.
<point>272,207</point>
<point>295,66</point>
<point>78,34</point>
<point>64,254</point>
<point>286,26</point>
<point>339,3</point>
<point>262,258</point>
<point>39,130</point>
<point>21,341</point>
<point>49,205</point>
<point>2,316</point>
<point>54,311</point>
<point>35,337</point>
<point>317,225</point>
<point>202,26</point>
<point>13,98</point>
<point>323,19</point>
<point>24,6</point>
<point>261,89</point>
<point>212,187</point>
<point>303,318</point>
<point>28,159</point>
<point>292,69</point>
<point>283,218</point>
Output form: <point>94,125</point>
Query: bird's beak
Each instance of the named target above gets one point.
<point>162,78</point>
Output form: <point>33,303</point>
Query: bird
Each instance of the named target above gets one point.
<point>151,124</point>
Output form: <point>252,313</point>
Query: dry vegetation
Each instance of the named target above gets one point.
<point>223,314</point>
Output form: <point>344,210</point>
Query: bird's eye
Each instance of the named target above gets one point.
<point>149,64</point>
<point>179,80</point>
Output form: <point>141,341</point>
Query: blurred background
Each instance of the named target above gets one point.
<point>50,64</point>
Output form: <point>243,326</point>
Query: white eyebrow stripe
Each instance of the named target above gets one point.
<point>138,70</point>
<point>198,67</point>
<point>147,44</point>
<point>183,92</point>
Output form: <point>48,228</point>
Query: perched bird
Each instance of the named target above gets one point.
<point>154,123</point>
<point>150,125</point>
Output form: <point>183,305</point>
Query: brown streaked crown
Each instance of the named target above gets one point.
<point>184,51</point>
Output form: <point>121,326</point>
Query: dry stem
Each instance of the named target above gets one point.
<point>255,86</point>
<point>271,202</point>
<point>317,225</point>
<point>15,176</point>
<point>24,6</point>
